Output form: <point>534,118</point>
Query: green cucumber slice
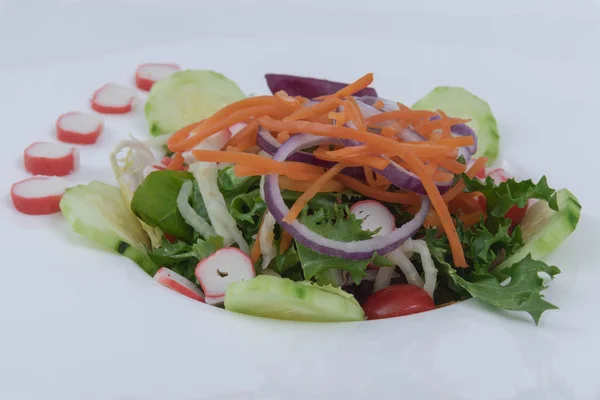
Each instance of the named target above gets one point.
<point>460,103</point>
<point>98,212</point>
<point>186,97</point>
<point>544,229</point>
<point>282,298</point>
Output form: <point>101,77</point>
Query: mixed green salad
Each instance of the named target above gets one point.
<point>324,202</point>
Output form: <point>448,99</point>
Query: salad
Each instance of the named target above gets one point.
<point>321,201</point>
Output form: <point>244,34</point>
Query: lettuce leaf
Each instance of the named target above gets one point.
<point>500,198</point>
<point>522,293</point>
<point>344,227</point>
<point>182,257</point>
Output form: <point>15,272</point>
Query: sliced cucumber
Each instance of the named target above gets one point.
<point>282,298</point>
<point>98,212</point>
<point>460,103</point>
<point>544,229</point>
<point>186,97</point>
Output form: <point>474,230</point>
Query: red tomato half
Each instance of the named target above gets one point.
<point>397,300</point>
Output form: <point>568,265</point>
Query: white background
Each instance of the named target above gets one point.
<point>79,323</point>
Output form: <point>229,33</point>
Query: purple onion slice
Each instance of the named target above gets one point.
<point>355,250</point>
<point>268,143</point>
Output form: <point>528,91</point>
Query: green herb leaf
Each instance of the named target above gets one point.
<point>155,202</point>
<point>229,183</point>
<point>247,209</point>
<point>500,198</point>
<point>341,226</point>
<point>522,293</point>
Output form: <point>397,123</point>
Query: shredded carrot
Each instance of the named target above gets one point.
<point>355,86</point>
<point>369,161</point>
<point>339,118</point>
<point>283,97</point>
<point>176,162</point>
<point>302,186</point>
<point>286,241</point>
<point>378,194</point>
<point>369,177</point>
<point>477,166</point>
<point>471,219</point>
<point>247,142</point>
<point>284,170</point>
<point>378,104</point>
<point>403,114</point>
<point>314,110</point>
<point>452,165</point>
<point>251,128</point>
<point>432,220</point>
<point>209,128</point>
<point>311,192</point>
<point>183,133</point>
<point>352,110</point>
<point>439,176</point>
<point>283,137</point>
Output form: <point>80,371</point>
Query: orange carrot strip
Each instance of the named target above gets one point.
<point>311,192</point>
<point>369,177</point>
<point>378,104</point>
<point>207,129</point>
<point>176,162</point>
<point>314,110</point>
<point>432,220</point>
<point>355,86</point>
<point>465,203</point>
<point>183,133</point>
<point>241,170</point>
<point>378,194</point>
<point>439,176</point>
<point>250,102</point>
<point>409,155</point>
<point>283,136</point>
<point>406,114</point>
<point>477,166</point>
<point>452,165</point>
<point>251,128</point>
<point>369,161</point>
<point>302,186</point>
<point>286,241</point>
<point>471,219</point>
<point>354,114</point>
<point>339,118</point>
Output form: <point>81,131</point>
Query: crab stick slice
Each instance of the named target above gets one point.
<point>178,283</point>
<point>113,99</point>
<point>147,74</point>
<point>51,159</point>
<point>39,195</point>
<point>79,127</point>
<point>217,271</point>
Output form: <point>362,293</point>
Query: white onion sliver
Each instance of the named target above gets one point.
<point>266,235</point>
<point>189,214</point>
<point>383,278</point>
<point>429,269</point>
<point>223,223</point>
<point>407,267</point>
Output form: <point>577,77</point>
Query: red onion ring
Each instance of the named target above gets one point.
<point>355,250</point>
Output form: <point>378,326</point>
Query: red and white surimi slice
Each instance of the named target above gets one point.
<point>178,283</point>
<point>374,215</point>
<point>39,195</point>
<point>79,127</point>
<point>225,266</point>
<point>113,99</point>
<point>51,159</point>
<point>147,74</point>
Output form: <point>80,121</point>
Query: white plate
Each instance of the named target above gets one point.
<point>79,323</point>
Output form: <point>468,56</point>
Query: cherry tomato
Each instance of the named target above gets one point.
<point>516,214</point>
<point>397,300</point>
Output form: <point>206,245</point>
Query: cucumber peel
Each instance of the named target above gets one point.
<point>186,97</point>
<point>460,103</point>
<point>281,298</point>
<point>544,229</point>
<point>98,212</point>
